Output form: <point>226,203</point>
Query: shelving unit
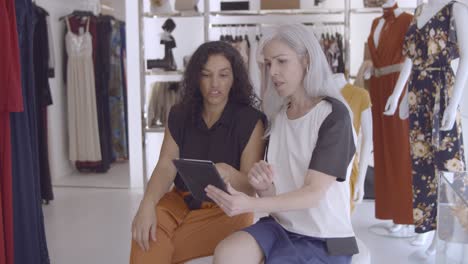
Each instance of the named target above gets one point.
<point>257,18</point>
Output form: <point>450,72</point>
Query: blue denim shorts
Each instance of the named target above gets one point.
<point>280,246</point>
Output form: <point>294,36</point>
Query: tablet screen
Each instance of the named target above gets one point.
<point>197,174</point>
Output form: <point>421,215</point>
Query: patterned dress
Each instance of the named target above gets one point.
<point>432,48</point>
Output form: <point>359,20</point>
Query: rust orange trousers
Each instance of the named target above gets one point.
<point>184,234</point>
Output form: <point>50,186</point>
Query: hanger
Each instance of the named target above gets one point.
<point>80,13</point>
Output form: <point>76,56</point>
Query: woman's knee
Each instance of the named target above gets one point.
<point>239,245</point>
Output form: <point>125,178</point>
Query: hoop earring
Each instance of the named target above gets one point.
<point>307,68</point>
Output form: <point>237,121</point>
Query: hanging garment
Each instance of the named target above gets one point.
<point>29,234</point>
<point>78,20</point>
<point>83,129</point>
<point>332,46</point>
<point>50,41</point>
<point>123,56</point>
<point>43,97</point>
<point>10,101</point>
<point>432,48</point>
<point>392,163</point>
<point>102,75</point>
<point>116,97</point>
<point>163,96</point>
<point>254,70</point>
<point>242,46</point>
<point>358,100</point>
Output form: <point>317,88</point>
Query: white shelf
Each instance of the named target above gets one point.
<point>154,129</point>
<point>164,73</point>
<point>375,10</point>
<point>173,15</point>
<point>314,11</point>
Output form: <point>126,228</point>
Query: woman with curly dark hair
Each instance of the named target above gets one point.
<point>216,120</point>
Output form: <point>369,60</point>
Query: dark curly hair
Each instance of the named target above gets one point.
<point>241,91</point>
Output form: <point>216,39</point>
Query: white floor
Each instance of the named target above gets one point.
<point>117,177</point>
<point>92,225</point>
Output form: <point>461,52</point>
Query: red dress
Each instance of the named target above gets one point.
<point>11,100</point>
<point>392,162</point>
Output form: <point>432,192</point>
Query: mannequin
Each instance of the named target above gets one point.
<point>366,142</point>
<point>378,30</point>
<point>449,114</point>
<point>168,62</point>
<point>403,216</point>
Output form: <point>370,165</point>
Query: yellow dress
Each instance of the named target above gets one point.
<point>358,100</point>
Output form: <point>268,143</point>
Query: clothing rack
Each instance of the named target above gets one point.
<point>77,13</point>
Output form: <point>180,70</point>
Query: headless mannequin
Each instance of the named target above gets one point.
<point>379,27</point>
<point>397,12</point>
<point>460,13</point>
<point>366,144</point>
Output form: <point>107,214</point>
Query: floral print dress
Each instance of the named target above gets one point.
<point>431,49</point>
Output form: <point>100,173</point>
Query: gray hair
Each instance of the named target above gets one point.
<point>318,80</point>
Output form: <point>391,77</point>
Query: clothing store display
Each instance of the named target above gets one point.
<point>10,101</point>
<point>101,30</point>
<point>41,60</point>
<point>392,163</point>
<point>30,244</point>
<point>83,128</point>
<point>168,62</point>
<point>116,96</point>
<point>431,49</point>
<point>280,4</point>
<point>185,234</point>
<point>321,140</point>
<point>197,141</point>
<point>332,46</point>
<point>163,96</point>
<point>358,100</point>
<point>234,5</point>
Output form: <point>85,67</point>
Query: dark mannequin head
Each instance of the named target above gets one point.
<point>169,25</point>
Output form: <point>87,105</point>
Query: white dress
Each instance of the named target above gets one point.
<point>83,131</point>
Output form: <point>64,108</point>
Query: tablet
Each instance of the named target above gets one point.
<point>197,174</point>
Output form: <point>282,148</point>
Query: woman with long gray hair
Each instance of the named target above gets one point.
<point>303,185</point>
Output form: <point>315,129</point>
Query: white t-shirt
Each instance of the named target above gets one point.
<point>321,140</point>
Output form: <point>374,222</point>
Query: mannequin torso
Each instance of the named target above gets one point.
<point>429,10</point>
<point>460,16</point>
<point>365,147</point>
<point>378,29</point>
